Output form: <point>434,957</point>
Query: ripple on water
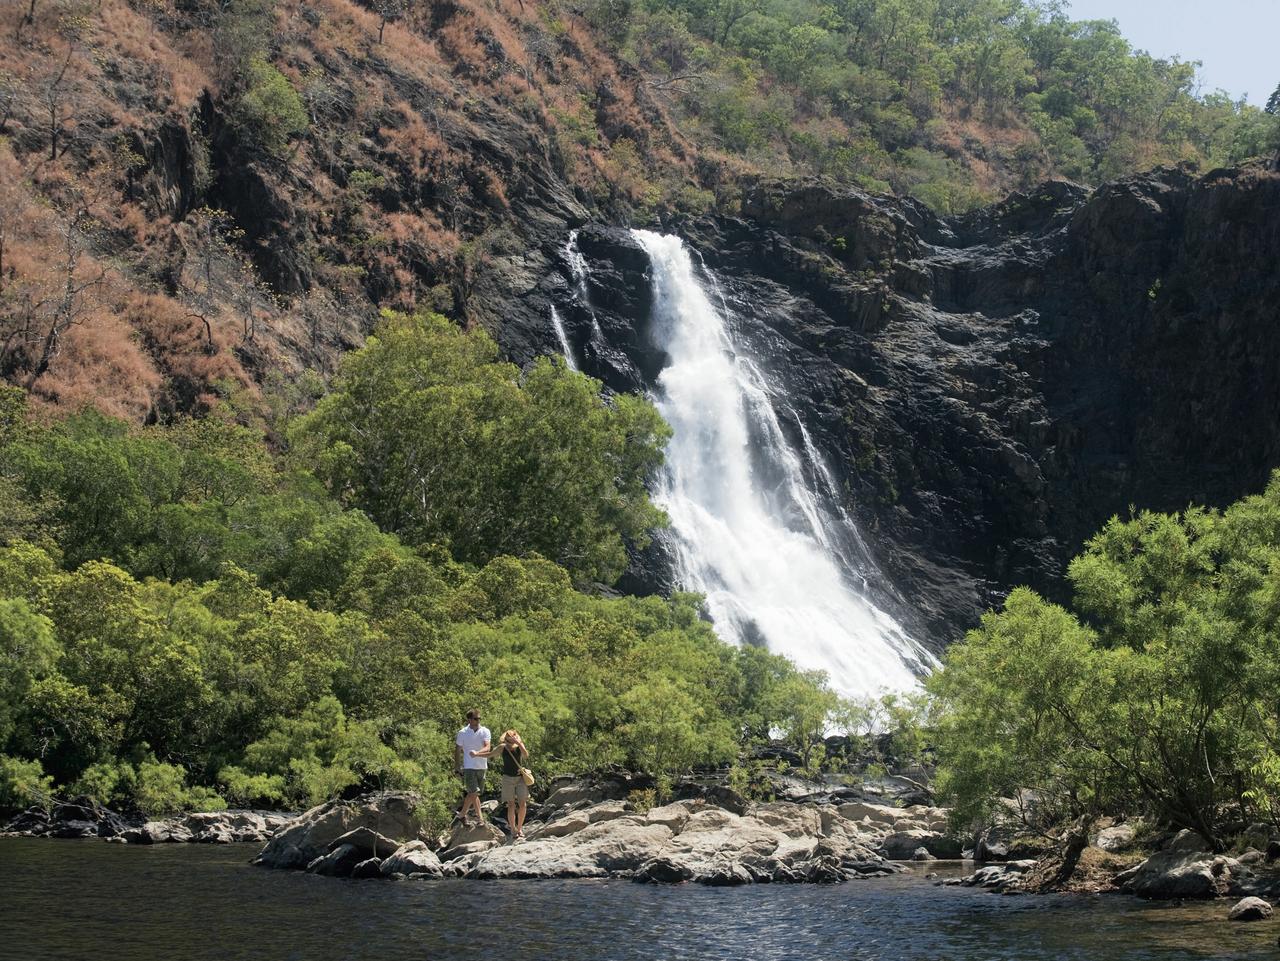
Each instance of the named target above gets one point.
<point>80,900</point>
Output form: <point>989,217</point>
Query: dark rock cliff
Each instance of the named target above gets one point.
<point>988,390</point>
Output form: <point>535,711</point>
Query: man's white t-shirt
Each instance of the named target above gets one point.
<point>469,741</point>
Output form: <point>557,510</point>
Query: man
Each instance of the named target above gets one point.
<point>470,749</point>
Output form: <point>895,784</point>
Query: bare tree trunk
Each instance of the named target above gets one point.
<point>27,19</point>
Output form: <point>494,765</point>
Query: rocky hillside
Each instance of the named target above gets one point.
<point>991,388</point>
<point>196,195</point>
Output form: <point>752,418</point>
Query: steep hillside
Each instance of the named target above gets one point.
<point>200,197</point>
<point>208,194</point>
<point>956,102</point>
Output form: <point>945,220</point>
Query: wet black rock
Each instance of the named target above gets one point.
<point>988,390</point>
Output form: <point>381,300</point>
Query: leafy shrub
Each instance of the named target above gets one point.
<point>23,782</point>
<point>162,789</point>
<point>270,112</point>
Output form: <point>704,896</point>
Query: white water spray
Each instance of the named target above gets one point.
<point>751,532</point>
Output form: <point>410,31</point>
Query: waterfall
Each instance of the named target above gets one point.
<point>558,325</point>
<point>753,529</point>
<point>578,269</point>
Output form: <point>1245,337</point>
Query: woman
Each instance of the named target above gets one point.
<point>514,791</point>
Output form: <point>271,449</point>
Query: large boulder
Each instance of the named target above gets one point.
<point>869,813</point>
<point>161,832</point>
<point>560,827</point>
<point>80,817</point>
<point>688,841</point>
<point>1179,874</point>
<point>613,847</point>
<point>1115,838</point>
<point>74,829</point>
<point>1250,909</point>
<point>392,815</point>
<point>464,837</point>
<point>902,845</point>
<point>664,870</point>
<point>338,863</point>
<point>576,820</point>
<point>466,850</point>
<point>367,869</point>
<point>413,859</point>
<point>369,842</point>
<point>230,827</point>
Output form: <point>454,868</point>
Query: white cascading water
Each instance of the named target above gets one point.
<point>751,533</point>
<point>558,326</point>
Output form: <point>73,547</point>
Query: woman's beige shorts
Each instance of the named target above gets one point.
<point>514,788</point>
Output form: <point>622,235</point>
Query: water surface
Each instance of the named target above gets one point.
<point>87,899</point>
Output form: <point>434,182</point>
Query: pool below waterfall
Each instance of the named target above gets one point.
<point>88,899</point>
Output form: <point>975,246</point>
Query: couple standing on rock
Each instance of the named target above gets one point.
<point>471,753</point>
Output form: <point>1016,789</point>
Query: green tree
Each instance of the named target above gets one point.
<point>1162,706</point>
<point>668,730</point>
<point>28,651</point>
<point>439,441</point>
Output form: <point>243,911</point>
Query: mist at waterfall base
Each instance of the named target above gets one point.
<point>752,526</point>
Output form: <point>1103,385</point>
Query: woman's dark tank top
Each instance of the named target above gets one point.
<point>510,762</point>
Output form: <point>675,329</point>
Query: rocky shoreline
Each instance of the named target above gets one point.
<point>583,829</point>
<point>590,829</point>
<point>579,834</point>
<point>85,818</point>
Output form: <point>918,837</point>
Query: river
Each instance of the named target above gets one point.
<point>74,900</point>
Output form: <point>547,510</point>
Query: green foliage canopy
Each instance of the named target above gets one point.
<point>188,620</point>
<point>1157,699</point>
<point>440,442</point>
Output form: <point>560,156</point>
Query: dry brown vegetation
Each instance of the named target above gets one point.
<point>151,258</point>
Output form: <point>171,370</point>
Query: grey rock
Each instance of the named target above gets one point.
<point>1179,874</point>
<point>1250,909</point>
<point>368,868</point>
<point>74,829</point>
<point>413,859</point>
<point>901,845</point>
<point>1185,840</point>
<point>1115,838</point>
<point>338,863</point>
<point>461,833</point>
<point>234,826</point>
<point>302,840</point>
<point>1258,835</point>
<point>166,832</point>
<point>369,842</point>
<point>468,849</point>
<point>664,870</point>
<point>728,875</point>
<point>691,841</point>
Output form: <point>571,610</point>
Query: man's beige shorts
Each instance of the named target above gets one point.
<point>514,788</point>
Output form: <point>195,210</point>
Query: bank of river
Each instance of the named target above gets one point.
<point>85,899</point>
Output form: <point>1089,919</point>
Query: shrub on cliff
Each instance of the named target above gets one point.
<point>269,112</point>
<point>1157,698</point>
